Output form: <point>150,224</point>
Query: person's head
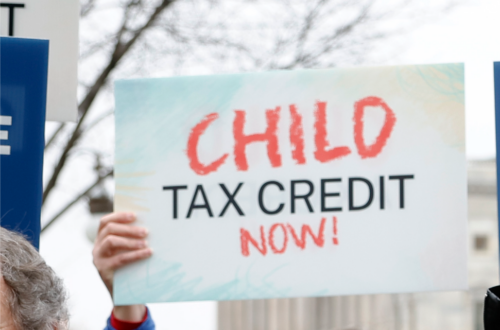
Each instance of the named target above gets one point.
<point>31,295</point>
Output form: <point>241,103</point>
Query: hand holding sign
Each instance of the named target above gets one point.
<point>118,244</point>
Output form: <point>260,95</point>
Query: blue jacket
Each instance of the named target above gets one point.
<point>149,324</point>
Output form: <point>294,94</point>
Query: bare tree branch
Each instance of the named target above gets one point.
<point>329,42</point>
<point>306,29</point>
<point>98,120</point>
<point>54,135</point>
<point>85,193</point>
<point>91,48</point>
<point>120,49</point>
<point>86,7</point>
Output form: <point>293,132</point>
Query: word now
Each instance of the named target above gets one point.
<point>325,194</point>
<point>300,240</point>
<point>296,133</point>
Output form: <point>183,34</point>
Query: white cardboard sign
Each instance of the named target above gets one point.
<point>57,21</point>
<point>294,183</point>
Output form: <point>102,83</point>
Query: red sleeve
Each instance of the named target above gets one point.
<point>126,325</point>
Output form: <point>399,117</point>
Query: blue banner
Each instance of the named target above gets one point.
<point>23,90</point>
<point>496,73</point>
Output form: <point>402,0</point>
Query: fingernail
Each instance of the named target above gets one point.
<point>131,216</point>
<point>144,232</point>
<point>142,244</point>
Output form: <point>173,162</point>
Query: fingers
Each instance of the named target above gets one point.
<point>118,243</point>
<point>126,258</point>
<point>113,244</point>
<point>118,217</point>
<point>123,230</point>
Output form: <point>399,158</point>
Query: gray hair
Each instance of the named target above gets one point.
<point>37,298</point>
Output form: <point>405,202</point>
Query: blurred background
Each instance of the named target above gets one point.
<point>121,39</point>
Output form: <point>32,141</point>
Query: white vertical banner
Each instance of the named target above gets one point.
<point>57,21</point>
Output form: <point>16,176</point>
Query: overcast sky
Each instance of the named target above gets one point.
<point>469,34</point>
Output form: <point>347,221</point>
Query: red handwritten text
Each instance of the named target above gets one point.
<point>322,151</point>
<point>318,238</point>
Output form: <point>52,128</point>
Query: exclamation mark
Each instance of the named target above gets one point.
<point>335,239</point>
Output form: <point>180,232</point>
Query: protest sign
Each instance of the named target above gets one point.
<point>294,183</point>
<point>23,92</point>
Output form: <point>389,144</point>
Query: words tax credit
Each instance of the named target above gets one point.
<point>294,183</point>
